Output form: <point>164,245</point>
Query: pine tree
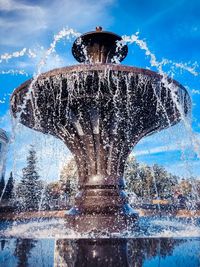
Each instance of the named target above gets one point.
<point>8,193</point>
<point>23,251</point>
<point>30,187</point>
<point>2,185</point>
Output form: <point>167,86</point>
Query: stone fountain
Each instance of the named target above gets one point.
<point>100,110</point>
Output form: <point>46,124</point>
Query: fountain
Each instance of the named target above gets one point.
<point>100,110</point>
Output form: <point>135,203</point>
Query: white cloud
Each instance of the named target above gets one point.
<point>33,25</point>
<point>13,5</point>
<point>173,139</point>
<point>28,23</point>
<point>158,149</point>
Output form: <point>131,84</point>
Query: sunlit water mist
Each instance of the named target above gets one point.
<point>54,230</point>
<point>159,65</point>
<point>68,34</point>
<point>147,227</point>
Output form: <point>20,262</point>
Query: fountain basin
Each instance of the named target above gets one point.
<point>141,90</point>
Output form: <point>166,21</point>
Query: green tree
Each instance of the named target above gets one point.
<point>69,179</point>
<point>139,178</point>
<point>147,182</point>
<point>163,182</point>
<point>30,187</point>
<point>22,251</point>
<point>8,193</point>
<point>2,185</point>
<point>131,175</point>
<point>51,196</point>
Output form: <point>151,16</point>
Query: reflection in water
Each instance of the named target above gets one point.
<point>88,252</point>
<point>26,252</point>
<point>135,252</point>
<point>119,252</point>
<point>23,251</point>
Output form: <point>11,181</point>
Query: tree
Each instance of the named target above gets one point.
<point>69,179</point>
<point>30,187</point>
<point>60,194</point>
<point>163,181</point>
<point>186,187</point>
<point>149,182</point>
<point>131,174</point>
<point>139,178</point>
<point>2,185</point>
<point>22,251</point>
<point>8,193</point>
<point>51,196</point>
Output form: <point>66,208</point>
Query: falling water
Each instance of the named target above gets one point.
<point>159,66</point>
<point>64,33</point>
<point>24,52</point>
<point>73,79</point>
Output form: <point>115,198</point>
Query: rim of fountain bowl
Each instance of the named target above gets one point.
<point>101,67</point>
<point>100,32</point>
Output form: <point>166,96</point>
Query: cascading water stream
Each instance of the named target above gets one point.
<point>65,33</point>
<point>17,54</point>
<point>75,79</point>
<point>165,80</point>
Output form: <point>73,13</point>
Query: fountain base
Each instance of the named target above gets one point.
<point>103,209</point>
<point>88,223</point>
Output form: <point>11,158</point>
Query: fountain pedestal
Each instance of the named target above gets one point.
<point>100,111</point>
<point>101,208</point>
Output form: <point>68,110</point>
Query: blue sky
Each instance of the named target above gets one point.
<point>171,30</point>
